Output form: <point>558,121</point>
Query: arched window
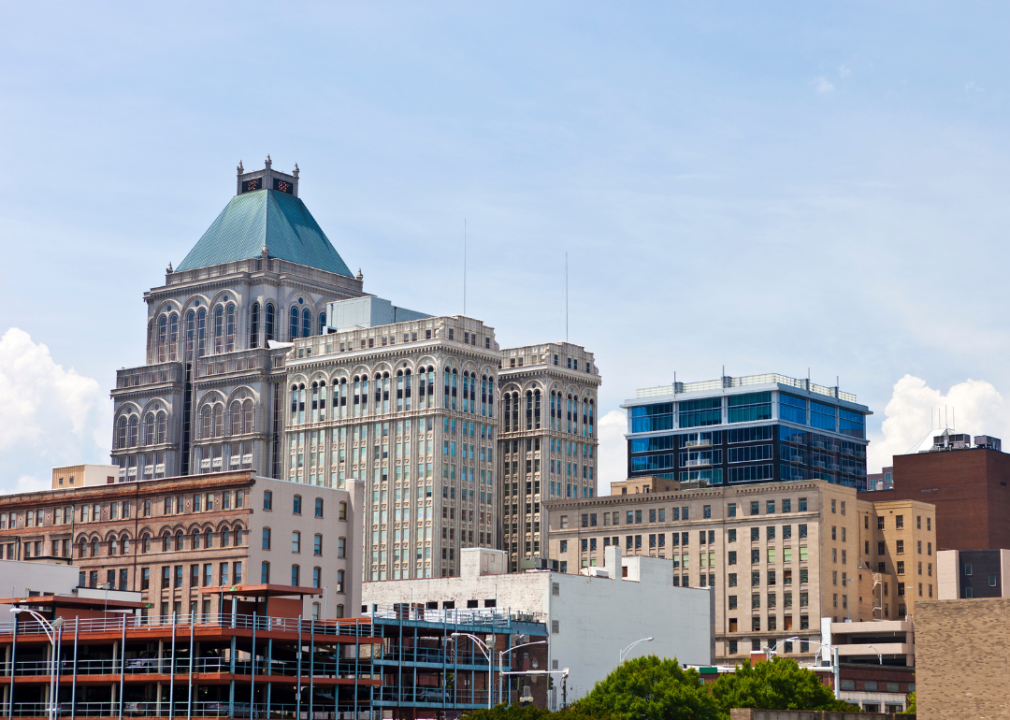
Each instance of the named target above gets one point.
<point>225,537</point>
<point>121,432</point>
<point>268,326</point>
<point>190,335</point>
<point>173,336</point>
<point>82,548</point>
<point>162,338</point>
<point>218,329</point>
<point>317,577</point>
<point>196,539</point>
<point>293,325</point>
<point>162,428</point>
<point>219,420</point>
<point>178,540</point>
<point>114,546</point>
<point>125,546</point>
<point>264,573</point>
<point>206,419</point>
<point>94,548</point>
<point>254,325</point>
<point>322,322</point>
<point>247,420</point>
<point>229,328</point>
<point>149,429</point>
<point>236,418</point>
<point>145,543</point>
<point>295,574</point>
<point>133,428</point>
<point>306,323</point>
<point>166,543</point>
<point>201,333</point>
<point>238,536</point>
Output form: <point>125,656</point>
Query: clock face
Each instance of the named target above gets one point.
<point>283,186</point>
<point>254,184</point>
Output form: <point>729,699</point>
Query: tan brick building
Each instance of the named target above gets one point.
<point>962,654</point>
<point>169,538</point>
<point>779,556</point>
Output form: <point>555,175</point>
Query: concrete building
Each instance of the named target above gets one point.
<point>169,539</point>
<point>587,632</point>
<point>779,557</point>
<point>548,445</point>
<point>408,410</point>
<point>973,574</point>
<point>962,654</point>
<point>743,430</point>
<point>209,396</point>
<point>80,475</point>
<point>969,483</point>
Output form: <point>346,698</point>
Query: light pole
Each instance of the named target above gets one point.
<point>769,651</point>
<point>880,657</point>
<point>626,650</point>
<point>501,661</point>
<point>50,631</point>
<point>834,650</point>
<point>487,653</point>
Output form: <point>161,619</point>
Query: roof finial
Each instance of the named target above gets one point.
<point>268,162</point>
<point>360,276</point>
<point>169,269</point>
<point>295,173</point>
<point>265,254</point>
<point>240,168</point>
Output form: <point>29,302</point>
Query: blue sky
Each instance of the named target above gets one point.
<point>766,186</point>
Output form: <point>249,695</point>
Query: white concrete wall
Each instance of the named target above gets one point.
<point>597,617</point>
<point>18,577</point>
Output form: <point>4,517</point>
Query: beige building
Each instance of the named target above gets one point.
<point>548,444</point>
<point>779,556</point>
<point>408,409</point>
<point>81,475</point>
<point>962,654</point>
<point>169,538</point>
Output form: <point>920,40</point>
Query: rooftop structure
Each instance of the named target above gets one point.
<point>84,474</point>
<point>753,429</point>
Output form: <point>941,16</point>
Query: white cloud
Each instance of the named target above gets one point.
<point>972,88</point>
<point>844,71</point>
<point>822,85</point>
<point>976,406</point>
<point>613,461</point>
<point>49,415</point>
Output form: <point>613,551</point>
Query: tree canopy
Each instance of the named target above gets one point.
<point>777,685</point>
<point>648,688</point>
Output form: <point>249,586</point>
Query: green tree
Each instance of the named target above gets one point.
<point>911,704</point>
<point>648,688</point>
<point>528,712</point>
<point>777,685</point>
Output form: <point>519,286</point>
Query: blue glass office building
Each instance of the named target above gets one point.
<point>754,429</point>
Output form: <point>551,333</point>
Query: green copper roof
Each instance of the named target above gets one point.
<point>265,217</point>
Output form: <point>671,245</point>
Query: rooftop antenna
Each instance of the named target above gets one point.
<point>566,297</point>
<point>464,266</point>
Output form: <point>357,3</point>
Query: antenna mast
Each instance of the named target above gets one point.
<point>464,266</point>
<point>566,297</point>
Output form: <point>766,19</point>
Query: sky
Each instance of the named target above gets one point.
<point>766,187</point>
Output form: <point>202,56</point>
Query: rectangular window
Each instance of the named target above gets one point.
<point>268,500</point>
<point>731,510</point>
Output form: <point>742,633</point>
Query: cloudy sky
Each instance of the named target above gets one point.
<point>773,187</point>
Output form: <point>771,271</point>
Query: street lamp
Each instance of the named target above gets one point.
<point>501,662</point>
<point>50,631</point>
<point>487,653</point>
<point>769,651</point>
<point>880,657</point>
<point>626,650</point>
<point>834,650</point>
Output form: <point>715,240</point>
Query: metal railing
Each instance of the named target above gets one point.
<point>163,666</point>
<point>449,616</point>
<point>425,695</point>
<point>729,382</point>
<point>353,628</point>
<point>322,709</point>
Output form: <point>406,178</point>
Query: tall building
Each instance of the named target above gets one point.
<point>407,408</point>
<point>968,484</point>
<point>548,446</point>
<point>778,556</point>
<point>752,429</point>
<point>209,396</point>
<point>171,539</point>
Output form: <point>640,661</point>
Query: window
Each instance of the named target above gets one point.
<point>297,505</point>
<point>266,538</point>
<point>967,568</point>
<point>319,507</point>
<point>992,580</point>
<point>899,521</point>
<point>731,510</point>
<point>901,567</point>
<point>317,544</point>
<point>341,547</point>
<point>343,511</point>
<point>268,500</point>
<point>317,577</point>
<point>706,511</point>
<point>296,542</point>
<point>295,574</point>
<point>555,627</point>
<point>755,508</point>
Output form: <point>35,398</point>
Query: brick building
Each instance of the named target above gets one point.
<point>168,539</point>
<point>779,556</point>
<point>962,653</point>
<point>969,488</point>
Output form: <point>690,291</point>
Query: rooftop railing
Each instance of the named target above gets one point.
<point>731,382</point>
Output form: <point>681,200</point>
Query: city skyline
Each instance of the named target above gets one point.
<point>786,191</point>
